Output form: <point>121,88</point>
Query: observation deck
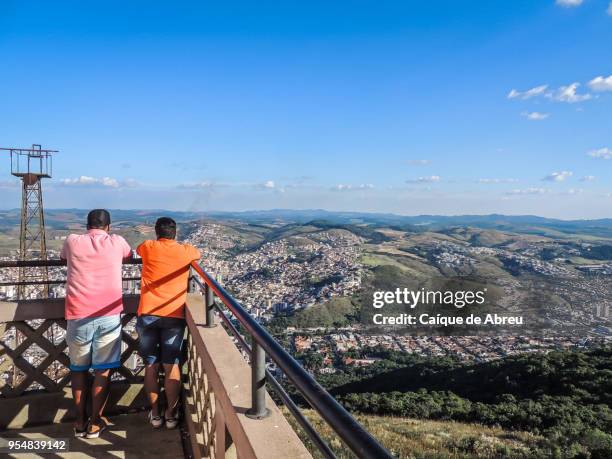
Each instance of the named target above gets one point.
<point>226,408</point>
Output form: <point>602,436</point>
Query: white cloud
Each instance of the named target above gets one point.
<point>601,83</point>
<point>535,116</point>
<point>569,94</point>
<point>208,185</point>
<point>528,191</point>
<point>419,162</point>
<point>524,95</point>
<point>587,178</point>
<point>575,191</point>
<point>558,176</point>
<point>569,3</point>
<point>205,185</point>
<point>609,10</point>
<point>602,153</point>
<point>497,180</point>
<point>363,186</point>
<point>267,185</point>
<point>427,179</point>
<point>85,180</point>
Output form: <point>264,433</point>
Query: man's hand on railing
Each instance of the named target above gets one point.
<point>133,259</point>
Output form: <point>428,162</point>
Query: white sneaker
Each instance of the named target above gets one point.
<point>156,421</point>
<point>171,423</point>
<point>95,429</point>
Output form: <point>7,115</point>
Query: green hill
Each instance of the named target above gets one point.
<point>336,312</point>
<point>586,377</point>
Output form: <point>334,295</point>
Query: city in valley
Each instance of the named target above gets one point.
<point>307,277</point>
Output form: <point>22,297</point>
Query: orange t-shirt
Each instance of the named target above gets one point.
<point>165,273</point>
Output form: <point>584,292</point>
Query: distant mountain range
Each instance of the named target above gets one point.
<point>58,218</point>
<point>303,216</point>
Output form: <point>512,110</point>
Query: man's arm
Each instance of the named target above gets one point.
<point>64,251</point>
<point>193,253</point>
<point>140,249</point>
<point>127,250</point>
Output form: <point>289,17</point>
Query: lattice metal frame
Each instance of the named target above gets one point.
<point>13,358</point>
<point>32,240</point>
<point>31,165</point>
<point>131,346</point>
<point>42,374</point>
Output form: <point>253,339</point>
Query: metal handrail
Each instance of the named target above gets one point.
<point>52,262</point>
<point>359,440</point>
<point>53,282</point>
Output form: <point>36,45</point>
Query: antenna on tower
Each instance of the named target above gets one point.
<point>31,165</point>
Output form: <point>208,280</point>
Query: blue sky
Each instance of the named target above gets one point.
<point>439,107</point>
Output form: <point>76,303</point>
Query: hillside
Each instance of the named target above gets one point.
<point>563,396</point>
<point>418,439</point>
<point>584,376</point>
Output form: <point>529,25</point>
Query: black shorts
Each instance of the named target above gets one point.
<point>161,339</point>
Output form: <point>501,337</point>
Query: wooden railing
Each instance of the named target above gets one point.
<point>34,364</point>
<point>50,372</point>
<point>32,346</point>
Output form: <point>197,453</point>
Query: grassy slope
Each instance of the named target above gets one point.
<point>410,438</point>
<point>335,311</point>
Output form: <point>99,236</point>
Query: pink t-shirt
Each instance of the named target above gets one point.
<point>94,286</point>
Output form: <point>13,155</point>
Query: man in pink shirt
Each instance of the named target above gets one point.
<point>93,314</point>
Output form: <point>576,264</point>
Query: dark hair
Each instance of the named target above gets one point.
<point>165,227</point>
<point>98,219</point>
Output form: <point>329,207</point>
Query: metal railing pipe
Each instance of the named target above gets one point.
<point>192,283</point>
<point>53,282</point>
<point>52,262</point>
<point>209,305</point>
<point>258,408</point>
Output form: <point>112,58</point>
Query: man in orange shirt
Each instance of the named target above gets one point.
<point>161,315</point>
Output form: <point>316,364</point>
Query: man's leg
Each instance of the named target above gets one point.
<point>171,347</point>
<point>149,336</point>
<point>106,355</point>
<point>79,395</point>
<point>99,394</point>
<point>172,386</point>
<point>79,333</point>
<point>152,387</point>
